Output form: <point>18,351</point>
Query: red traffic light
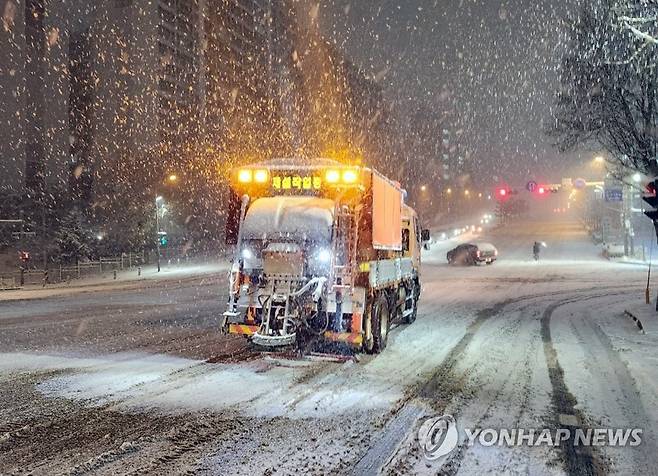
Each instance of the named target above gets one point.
<point>502,192</point>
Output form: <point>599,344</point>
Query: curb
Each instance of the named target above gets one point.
<point>635,319</point>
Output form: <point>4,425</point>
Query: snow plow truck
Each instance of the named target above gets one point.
<point>323,252</point>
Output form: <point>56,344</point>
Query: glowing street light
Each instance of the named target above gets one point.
<point>423,188</point>
<point>599,159</point>
<point>172,178</point>
<point>637,178</point>
<point>467,192</point>
<point>449,191</point>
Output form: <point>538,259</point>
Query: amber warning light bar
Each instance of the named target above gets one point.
<point>309,179</point>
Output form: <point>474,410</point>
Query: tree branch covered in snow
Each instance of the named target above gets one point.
<point>608,83</point>
<point>640,34</point>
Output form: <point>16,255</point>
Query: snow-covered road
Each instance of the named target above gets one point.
<point>137,380</point>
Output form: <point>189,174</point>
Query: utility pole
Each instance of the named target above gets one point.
<point>625,222</point>
<point>157,228</point>
<point>43,227</point>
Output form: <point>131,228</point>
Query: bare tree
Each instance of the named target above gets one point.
<point>608,83</point>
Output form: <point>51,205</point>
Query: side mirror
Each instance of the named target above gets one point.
<point>425,236</point>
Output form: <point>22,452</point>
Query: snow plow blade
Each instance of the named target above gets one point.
<point>273,341</point>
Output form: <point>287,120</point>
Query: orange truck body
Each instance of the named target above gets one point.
<point>386,213</point>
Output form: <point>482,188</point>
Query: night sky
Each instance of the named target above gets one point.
<point>498,58</point>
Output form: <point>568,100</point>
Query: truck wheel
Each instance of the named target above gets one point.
<point>377,326</point>
<point>415,292</point>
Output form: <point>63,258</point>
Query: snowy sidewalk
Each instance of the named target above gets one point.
<point>123,279</point>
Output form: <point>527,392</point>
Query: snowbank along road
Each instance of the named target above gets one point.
<point>137,380</point>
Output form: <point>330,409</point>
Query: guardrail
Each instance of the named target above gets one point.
<point>79,271</point>
<point>8,283</point>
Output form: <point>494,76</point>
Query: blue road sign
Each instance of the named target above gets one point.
<point>580,183</point>
<point>614,195</point>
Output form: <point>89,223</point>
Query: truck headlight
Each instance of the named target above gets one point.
<point>324,255</point>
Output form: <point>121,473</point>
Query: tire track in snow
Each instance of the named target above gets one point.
<point>453,466</point>
<point>616,377</point>
<point>578,460</point>
<point>444,384</point>
<point>441,387</point>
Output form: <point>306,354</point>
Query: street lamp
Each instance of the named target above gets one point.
<point>637,178</point>
<point>172,178</point>
<point>423,188</point>
<point>158,199</point>
<point>599,159</point>
<point>449,191</point>
<point>467,192</point>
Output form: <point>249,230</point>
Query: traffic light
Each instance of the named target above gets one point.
<point>650,198</point>
<point>164,239</point>
<point>505,193</point>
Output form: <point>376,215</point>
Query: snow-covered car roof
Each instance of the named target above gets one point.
<point>300,216</point>
<point>485,246</point>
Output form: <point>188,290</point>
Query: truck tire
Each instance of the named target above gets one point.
<point>415,292</point>
<point>377,325</point>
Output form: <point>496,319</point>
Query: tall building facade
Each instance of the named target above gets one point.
<point>33,95</point>
<point>114,93</point>
<point>239,81</point>
<point>106,84</point>
<point>149,94</point>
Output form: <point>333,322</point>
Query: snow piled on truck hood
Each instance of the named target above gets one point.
<point>311,217</point>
